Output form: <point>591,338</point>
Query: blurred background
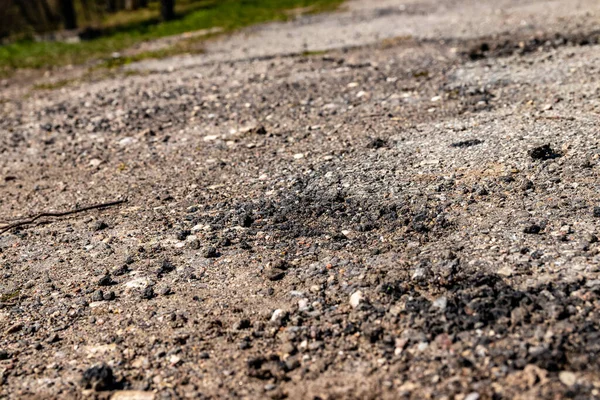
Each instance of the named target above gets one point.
<point>48,33</point>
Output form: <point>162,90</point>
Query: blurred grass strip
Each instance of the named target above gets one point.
<point>128,28</point>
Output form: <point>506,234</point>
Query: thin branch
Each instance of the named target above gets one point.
<point>34,218</point>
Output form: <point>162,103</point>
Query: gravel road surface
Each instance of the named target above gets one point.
<point>397,200</point>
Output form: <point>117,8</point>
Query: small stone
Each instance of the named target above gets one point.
<point>544,152</point>
<point>316,345</point>
<point>4,355</point>
<point>289,349</point>
<point>106,280</point>
<point>532,229</point>
<point>244,345</point>
<point>292,363</point>
<point>377,143</point>
<point>174,360</point>
<point>211,252</point>
<point>194,244</point>
<point>527,185</point>
<point>148,293</point>
<point>275,274</point>
<point>109,296</point>
<point>98,378</point>
<point>506,271</point>
<point>278,317</point>
<point>269,387</point>
<point>356,298</point>
<point>472,396</point>
<point>518,315</point>
<point>258,130</point>
<point>224,242</point>
<point>138,283</point>
<point>597,212</point>
<point>183,234</point>
<point>245,246</point>
<point>165,267</point>
<point>203,355</point>
<point>165,291</point>
<point>591,238</point>
<point>132,395</point>
<point>303,304</point>
<point>53,338</point>
<point>567,378</point>
<point>98,295</point>
<point>419,274</point>
<point>122,270</point>
<point>14,328</point>
<point>246,220</point>
<point>242,324</point>
<point>100,225</point>
<point>440,303</point>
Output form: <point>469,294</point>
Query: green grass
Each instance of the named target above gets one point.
<point>123,30</point>
<point>314,53</point>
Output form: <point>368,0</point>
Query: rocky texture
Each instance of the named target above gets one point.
<point>410,218</point>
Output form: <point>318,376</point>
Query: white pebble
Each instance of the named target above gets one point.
<point>356,298</point>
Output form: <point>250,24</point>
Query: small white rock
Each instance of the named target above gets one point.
<point>440,303</point>
<point>126,141</point>
<point>348,234</point>
<point>277,315</point>
<point>567,378</point>
<point>138,283</point>
<point>132,395</point>
<point>303,304</point>
<point>506,271</point>
<point>356,298</point>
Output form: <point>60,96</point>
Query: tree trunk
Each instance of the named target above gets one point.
<point>85,6</point>
<point>167,9</point>
<point>111,6</point>
<point>50,15</point>
<point>25,13</point>
<point>131,5</point>
<point>67,11</point>
<point>115,5</point>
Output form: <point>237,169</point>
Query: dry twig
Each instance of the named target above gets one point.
<point>34,218</point>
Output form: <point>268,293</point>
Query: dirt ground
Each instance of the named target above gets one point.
<point>397,200</point>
